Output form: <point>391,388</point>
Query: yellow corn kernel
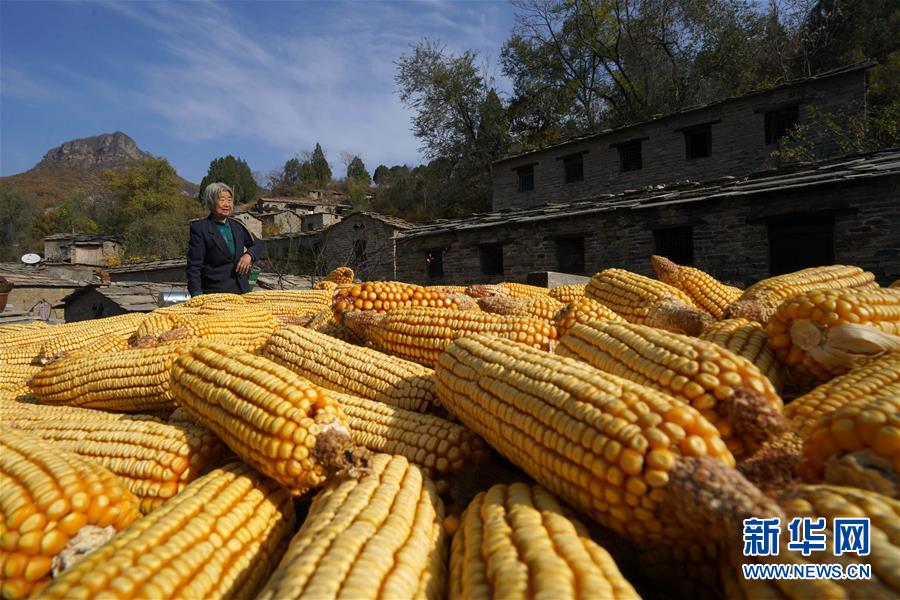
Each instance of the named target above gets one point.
<point>378,537</point>
<point>759,301</point>
<point>705,290</point>
<point>568,293</point>
<point>278,422</point>
<point>541,307</point>
<point>383,296</point>
<point>47,497</point>
<point>517,541</point>
<point>746,338</point>
<point>584,310</point>
<point>343,367</point>
<point>219,538</point>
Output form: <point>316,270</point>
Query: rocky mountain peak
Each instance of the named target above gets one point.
<point>104,151</point>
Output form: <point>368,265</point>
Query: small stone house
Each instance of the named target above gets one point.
<point>80,249</point>
<point>843,211</point>
<point>366,242</point>
<point>732,137</point>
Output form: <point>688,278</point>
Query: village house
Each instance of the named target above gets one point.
<point>78,249</point>
<point>366,242</point>
<point>732,137</point>
<point>843,211</point>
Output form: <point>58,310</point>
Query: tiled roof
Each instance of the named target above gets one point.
<point>81,238</point>
<point>832,73</point>
<point>274,281</point>
<point>21,275</point>
<point>132,296</point>
<point>851,168</point>
<point>152,265</point>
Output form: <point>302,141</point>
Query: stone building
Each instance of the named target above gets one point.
<point>155,271</point>
<point>250,221</point>
<point>95,250</point>
<point>96,302</point>
<point>366,242</point>
<point>34,284</point>
<point>731,137</point>
<point>844,211</point>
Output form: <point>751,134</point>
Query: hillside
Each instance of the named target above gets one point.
<point>76,167</point>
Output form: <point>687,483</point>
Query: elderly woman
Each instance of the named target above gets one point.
<point>221,250</point>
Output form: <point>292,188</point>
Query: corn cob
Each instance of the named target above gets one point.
<point>864,434</point>
<point>704,290</point>
<point>155,460</point>
<point>219,538</point>
<point>759,301</point>
<point>583,310</point>
<point>204,299</point>
<point>107,345</point>
<point>895,285</point>
<point>281,424</point>
<point>568,293</point>
<point>51,500</point>
<point>822,334</point>
<point>311,298</point>
<point>878,376</point>
<point>511,290</point>
<point>86,333</point>
<point>560,560</point>
<point>135,380</point>
<point>328,286</point>
<point>326,323</point>
<point>240,320</point>
<point>340,276</point>
<point>634,459</point>
<point>17,327</point>
<point>33,335</point>
<point>420,335</point>
<point>382,296</point>
<point>826,502</point>
<point>447,289</point>
<point>343,367</point>
<point>439,447</point>
<point>23,354</point>
<point>725,388</point>
<point>291,309</point>
<point>541,307</point>
<point>646,301</point>
<point>13,377</point>
<point>747,338</point>
<point>157,323</point>
<point>379,537</point>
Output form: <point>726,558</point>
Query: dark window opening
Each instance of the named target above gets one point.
<point>698,142</point>
<point>570,255</point>
<point>526,178</point>
<point>676,244</point>
<point>780,122</point>
<point>800,243</point>
<point>574,168</point>
<point>491,259</point>
<point>435,261</point>
<point>359,251</point>
<point>630,157</point>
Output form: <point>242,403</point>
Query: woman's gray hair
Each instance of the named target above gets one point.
<point>212,192</point>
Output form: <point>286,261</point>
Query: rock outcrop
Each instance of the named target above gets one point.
<point>105,151</point>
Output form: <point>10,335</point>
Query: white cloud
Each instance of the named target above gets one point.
<point>326,79</point>
<point>15,83</point>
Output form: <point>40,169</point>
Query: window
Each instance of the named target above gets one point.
<point>630,157</point>
<point>359,252</point>
<point>698,142</point>
<point>574,168</point>
<point>799,243</point>
<point>676,244</point>
<point>779,122</point>
<point>526,178</point>
<point>435,261</point>
<point>491,259</point>
<point>570,255</point>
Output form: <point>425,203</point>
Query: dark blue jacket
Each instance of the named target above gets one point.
<point>210,266</point>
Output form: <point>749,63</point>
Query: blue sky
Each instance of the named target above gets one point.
<point>192,81</point>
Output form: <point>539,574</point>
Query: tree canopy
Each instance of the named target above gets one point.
<point>236,174</point>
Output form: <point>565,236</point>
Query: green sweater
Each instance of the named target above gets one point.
<point>225,230</point>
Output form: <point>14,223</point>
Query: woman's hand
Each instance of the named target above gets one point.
<point>244,263</point>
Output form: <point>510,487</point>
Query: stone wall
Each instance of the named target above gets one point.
<point>738,145</point>
<point>24,298</point>
<point>374,237</point>
<point>91,305</point>
<point>730,236</point>
<point>166,275</point>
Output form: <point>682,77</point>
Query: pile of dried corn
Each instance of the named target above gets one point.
<point>499,441</point>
